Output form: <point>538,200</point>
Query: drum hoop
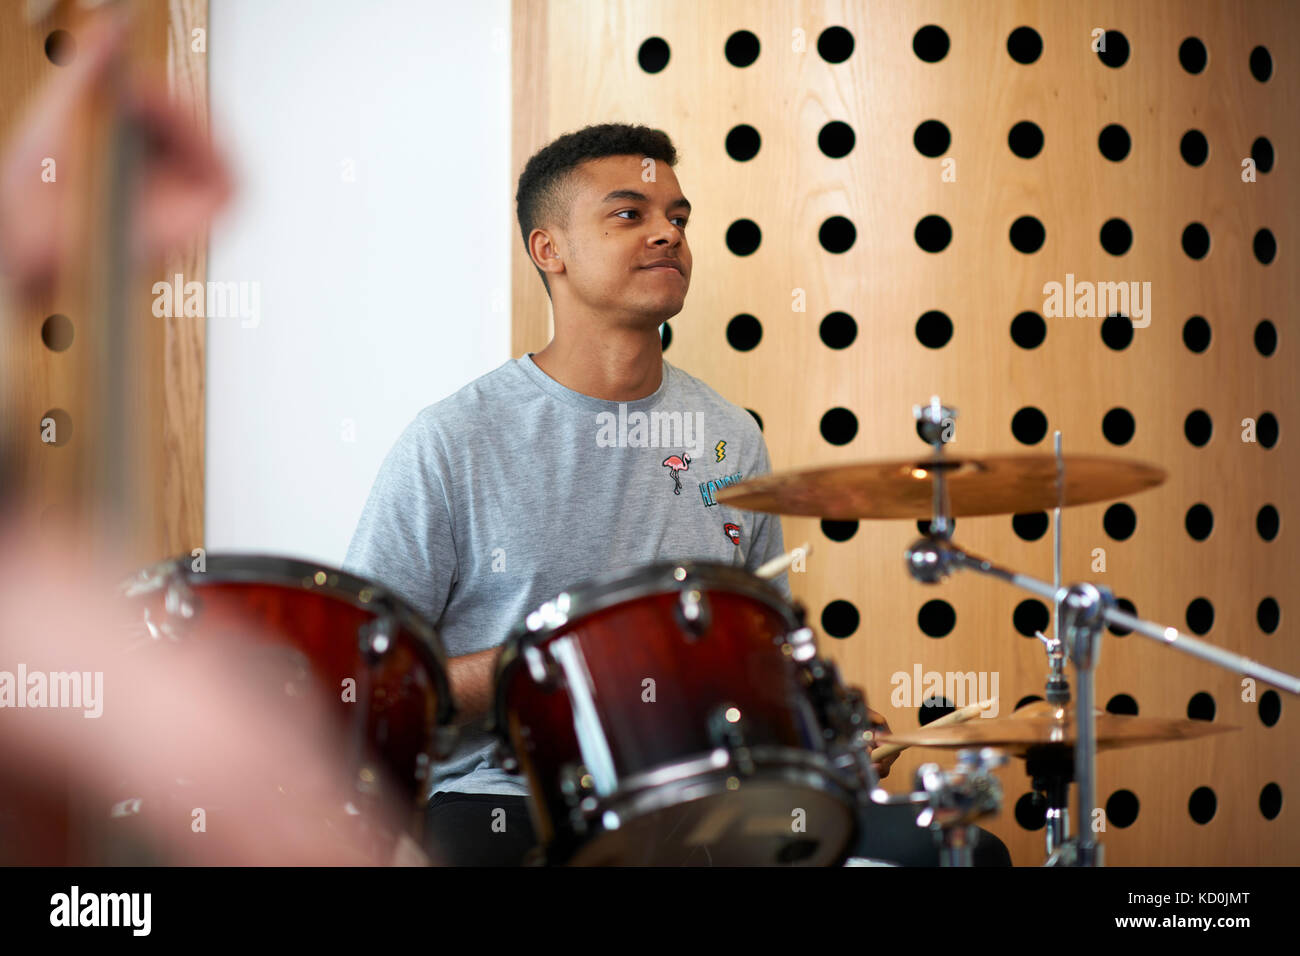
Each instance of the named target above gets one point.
<point>613,588</point>
<point>284,571</point>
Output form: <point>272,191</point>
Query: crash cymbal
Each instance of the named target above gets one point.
<point>1041,724</point>
<point>994,484</point>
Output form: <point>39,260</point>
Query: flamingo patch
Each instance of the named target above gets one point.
<point>674,464</point>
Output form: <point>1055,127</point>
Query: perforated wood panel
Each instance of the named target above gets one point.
<point>50,349</point>
<point>579,63</point>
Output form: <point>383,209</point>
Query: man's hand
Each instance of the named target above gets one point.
<point>878,722</point>
<point>182,181</point>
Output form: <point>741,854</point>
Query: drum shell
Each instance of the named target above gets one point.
<point>741,660</point>
<point>312,631</point>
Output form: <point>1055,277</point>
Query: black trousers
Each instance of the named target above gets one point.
<point>488,829</point>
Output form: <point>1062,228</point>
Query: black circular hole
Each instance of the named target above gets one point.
<point>936,618</point>
<point>1029,616</point>
<point>1025,45</point>
<point>1116,237</point>
<point>741,48</point>
<point>57,333</point>
<point>1029,526</point>
<point>1265,246</point>
<point>1266,429</point>
<point>1031,812</point>
<point>743,237</point>
<point>1196,334</point>
<point>743,143</point>
<point>1198,427</point>
<point>838,330</point>
<point>1268,615</point>
<point>1120,521</point>
<point>1194,148</point>
<point>1200,616</point>
<point>1196,240</point>
<point>1028,330</point>
<point>835,44</point>
<point>932,708</point>
<point>931,138</point>
<point>1191,54</point>
<point>1261,151</point>
<point>1118,426</point>
<point>1114,49</point>
<point>930,43</point>
<point>839,530</point>
<point>934,330</point>
<point>744,332</point>
<point>839,426</point>
<point>653,54</point>
<point>840,619</point>
<point>60,47</point>
<point>56,428</point>
<point>1266,522</point>
<point>1270,708</point>
<point>666,335</point>
<point>1199,522</point>
<point>1025,139</point>
<point>933,233</point>
<point>1128,607</point>
<point>837,139</point>
<point>1200,707</point>
<point>1122,704</point>
<point>1202,804</point>
<point>1117,332</point>
<point>1026,701</point>
<point>1029,425</point>
<point>923,525</point>
<point>1027,234</point>
<point>1261,64</point>
<point>1114,142</point>
<point>837,234</point>
<point>1122,808</point>
<point>757,418</point>
<point>1270,801</point>
<point>1266,338</point>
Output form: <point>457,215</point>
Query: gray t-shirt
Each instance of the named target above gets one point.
<point>515,488</point>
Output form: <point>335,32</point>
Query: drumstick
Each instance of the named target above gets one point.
<point>778,564</point>
<point>959,716</point>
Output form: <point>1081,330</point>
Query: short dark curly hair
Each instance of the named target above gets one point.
<point>545,194</point>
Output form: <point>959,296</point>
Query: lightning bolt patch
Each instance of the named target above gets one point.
<point>720,449</point>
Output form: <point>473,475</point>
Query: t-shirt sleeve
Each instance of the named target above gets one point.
<point>404,539</point>
<point>767,540</point>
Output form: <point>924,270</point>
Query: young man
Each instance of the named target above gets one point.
<point>524,483</point>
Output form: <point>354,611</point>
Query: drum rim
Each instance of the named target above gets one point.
<point>603,591</point>
<point>645,793</point>
<point>243,567</point>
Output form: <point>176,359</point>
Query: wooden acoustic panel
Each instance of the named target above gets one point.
<point>580,66</point>
<point>166,364</point>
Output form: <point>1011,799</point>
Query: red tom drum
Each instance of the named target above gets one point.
<point>678,714</point>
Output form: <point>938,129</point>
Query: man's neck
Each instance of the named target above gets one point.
<point>615,365</point>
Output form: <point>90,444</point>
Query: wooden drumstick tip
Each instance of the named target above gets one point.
<point>958,716</point>
<point>778,564</point>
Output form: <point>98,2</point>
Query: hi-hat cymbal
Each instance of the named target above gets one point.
<point>1041,724</point>
<point>994,484</point>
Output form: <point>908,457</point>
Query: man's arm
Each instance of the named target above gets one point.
<point>472,685</point>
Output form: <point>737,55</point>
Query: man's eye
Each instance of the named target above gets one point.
<point>634,212</point>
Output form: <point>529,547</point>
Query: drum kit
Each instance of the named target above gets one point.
<point>681,713</point>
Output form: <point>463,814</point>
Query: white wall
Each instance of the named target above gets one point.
<point>376,296</point>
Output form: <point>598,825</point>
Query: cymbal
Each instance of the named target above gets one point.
<point>1041,724</point>
<point>994,484</point>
